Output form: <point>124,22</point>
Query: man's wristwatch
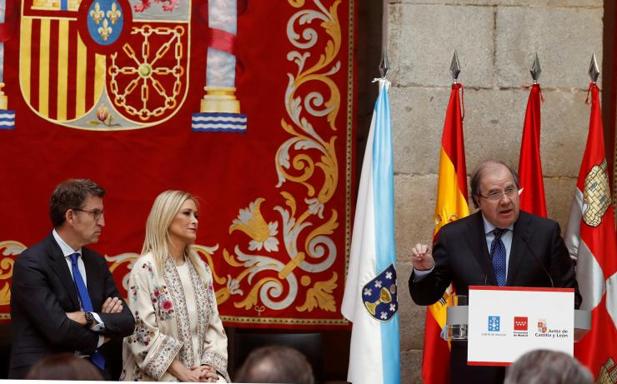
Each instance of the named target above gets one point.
<point>89,319</point>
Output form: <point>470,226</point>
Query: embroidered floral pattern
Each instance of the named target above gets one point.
<point>147,266</point>
<point>137,374</point>
<point>172,278</point>
<point>142,333</point>
<point>218,362</point>
<point>161,300</point>
<point>162,357</point>
<point>132,292</point>
<point>163,330</point>
<point>203,304</point>
<point>206,297</point>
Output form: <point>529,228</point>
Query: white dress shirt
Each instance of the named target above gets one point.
<point>67,251</point>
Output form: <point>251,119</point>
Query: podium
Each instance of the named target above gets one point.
<point>502,323</point>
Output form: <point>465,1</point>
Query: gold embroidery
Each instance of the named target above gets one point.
<point>306,158</point>
<point>7,249</point>
<point>320,296</point>
<point>596,195</point>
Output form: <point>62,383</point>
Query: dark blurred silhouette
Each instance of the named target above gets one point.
<point>275,364</point>
<point>542,366</point>
<point>63,366</point>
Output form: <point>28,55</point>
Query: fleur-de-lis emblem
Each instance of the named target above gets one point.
<point>114,13</point>
<point>97,14</point>
<point>105,30</point>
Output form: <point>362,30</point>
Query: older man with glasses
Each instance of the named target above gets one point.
<point>498,245</point>
<point>64,298</point>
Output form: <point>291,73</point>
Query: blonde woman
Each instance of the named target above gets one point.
<point>178,333</point>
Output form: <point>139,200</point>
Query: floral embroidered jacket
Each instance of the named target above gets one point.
<point>162,328</point>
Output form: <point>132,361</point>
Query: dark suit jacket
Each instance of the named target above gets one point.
<point>43,291</point>
<point>538,258</point>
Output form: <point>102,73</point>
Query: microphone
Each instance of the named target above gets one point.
<point>535,256</point>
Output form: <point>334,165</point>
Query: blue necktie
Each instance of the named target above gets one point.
<point>86,304</point>
<point>498,256</point>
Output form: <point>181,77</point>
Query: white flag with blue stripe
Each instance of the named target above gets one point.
<point>370,300</point>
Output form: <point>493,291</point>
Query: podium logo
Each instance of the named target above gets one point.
<point>521,323</point>
<point>542,326</point>
<point>494,323</point>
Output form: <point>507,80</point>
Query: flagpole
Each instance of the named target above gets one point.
<point>384,65</point>
<point>590,238</point>
<point>370,299</point>
<point>530,175</point>
<point>451,204</point>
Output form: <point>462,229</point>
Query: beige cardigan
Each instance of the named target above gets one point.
<point>162,328</point>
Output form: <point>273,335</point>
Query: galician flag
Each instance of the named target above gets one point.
<point>591,240</point>
<point>370,300</point>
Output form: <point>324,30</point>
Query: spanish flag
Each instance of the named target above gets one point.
<point>451,205</point>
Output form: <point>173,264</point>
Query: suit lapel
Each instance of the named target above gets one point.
<point>61,269</point>
<point>518,249</point>
<point>477,241</point>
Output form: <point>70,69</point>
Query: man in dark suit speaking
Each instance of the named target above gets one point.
<point>64,298</point>
<point>498,245</point>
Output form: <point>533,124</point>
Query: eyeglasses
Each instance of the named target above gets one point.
<point>96,213</point>
<point>498,194</point>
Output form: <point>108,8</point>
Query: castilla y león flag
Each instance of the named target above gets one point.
<point>591,240</point>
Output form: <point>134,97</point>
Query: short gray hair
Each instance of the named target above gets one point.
<point>478,172</point>
<point>542,366</point>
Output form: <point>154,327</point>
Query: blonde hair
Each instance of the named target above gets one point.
<point>164,209</point>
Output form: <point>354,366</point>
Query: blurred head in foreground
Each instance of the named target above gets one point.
<point>542,366</point>
<point>64,366</point>
<point>275,364</point>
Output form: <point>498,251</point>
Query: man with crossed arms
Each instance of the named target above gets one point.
<point>64,298</point>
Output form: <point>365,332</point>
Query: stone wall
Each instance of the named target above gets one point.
<point>496,42</point>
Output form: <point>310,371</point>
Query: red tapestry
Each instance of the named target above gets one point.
<point>249,106</point>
